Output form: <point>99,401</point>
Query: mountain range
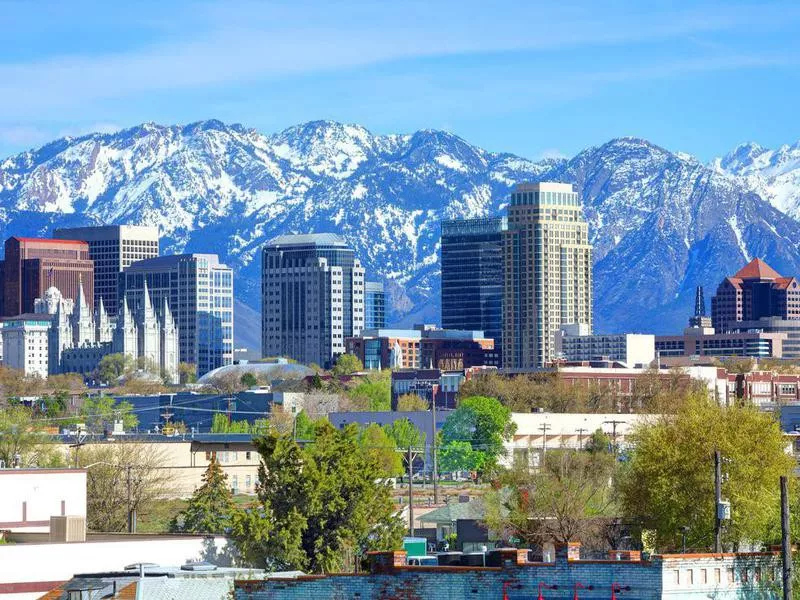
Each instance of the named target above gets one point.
<point>661,221</point>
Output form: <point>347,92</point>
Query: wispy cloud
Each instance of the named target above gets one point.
<point>248,42</point>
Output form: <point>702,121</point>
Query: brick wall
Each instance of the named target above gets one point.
<point>741,576</point>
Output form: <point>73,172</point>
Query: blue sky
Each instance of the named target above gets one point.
<point>532,78</point>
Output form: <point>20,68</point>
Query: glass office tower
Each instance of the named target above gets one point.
<point>472,276</point>
<point>374,305</point>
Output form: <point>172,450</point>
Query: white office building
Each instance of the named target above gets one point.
<point>198,290</point>
<point>574,343</point>
<point>113,248</point>
<point>25,343</point>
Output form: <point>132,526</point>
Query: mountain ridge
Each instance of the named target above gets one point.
<point>661,221</point>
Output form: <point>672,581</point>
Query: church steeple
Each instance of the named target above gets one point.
<point>83,330</point>
<point>104,332</point>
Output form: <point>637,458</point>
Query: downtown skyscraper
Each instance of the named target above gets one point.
<point>472,275</point>
<point>312,297</point>
<point>547,279</point>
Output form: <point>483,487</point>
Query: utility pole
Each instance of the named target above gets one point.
<point>131,511</point>
<point>614,424</point>
<point>581,431</point>
<point>717,502</point>
<point>544,428</point>
<point>433,453</point>
<point>786,541</point>
<point>410,493</point>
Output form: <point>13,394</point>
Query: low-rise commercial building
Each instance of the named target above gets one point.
<point>575,343</point>
<point>433,385</point>
<point>424,346</point>
<point>510,574</point>
<point>30,497</point>
<point>187,456</point>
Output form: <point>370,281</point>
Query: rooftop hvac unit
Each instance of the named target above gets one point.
<point>69,528</point>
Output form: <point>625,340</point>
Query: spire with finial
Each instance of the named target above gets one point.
<point>699,302</point>
<point>147,306</point>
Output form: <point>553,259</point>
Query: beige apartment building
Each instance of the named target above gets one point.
<point>548,272</point>
<point>186,458</point>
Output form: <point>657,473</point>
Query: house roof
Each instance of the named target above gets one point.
<point>757,269</point>
<point>455,511</point>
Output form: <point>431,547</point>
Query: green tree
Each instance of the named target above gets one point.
<point>249,380</point>
<point>99,412</point>
<point>320,506</point>
<point>599,443</point>
<point>459,456</point>
<point>187,373</point>
<point>373,392</point>
<point>347,364</point>
<point>220,423</point>
<point>405,434</point>
<point>23,440</point>
<point>211,507</point>
<point>560,501</point>
<point>304,427</point>
<point>114,366</point>
<point>483,422</point>
<point>410,403</point>
<point>382,448</point>
<point>668,480</point>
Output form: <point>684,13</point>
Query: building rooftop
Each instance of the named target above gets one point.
<point>454,511</point>
<point>48,241</point>
<point>308,239</point>
<point>757,269</point>
<point>544,186</point>
<point>172,259</point>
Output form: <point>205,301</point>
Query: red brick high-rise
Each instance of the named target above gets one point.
<point>32,265</point>
<point>756,291</point>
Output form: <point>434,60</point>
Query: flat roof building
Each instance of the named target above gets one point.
<point>113,248</point>
<point>423,347</point>
<point>199,291</point>
<point>574,343</point>
<point>32,265</point>
<point>472,275</point>
<point>312,297</point>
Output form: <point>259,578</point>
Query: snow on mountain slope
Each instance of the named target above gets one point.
<point>773,174</point>
<point>661,222</point>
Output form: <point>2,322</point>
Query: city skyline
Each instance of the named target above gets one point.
<point>515,77</point>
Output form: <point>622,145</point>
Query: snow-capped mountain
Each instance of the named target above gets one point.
<point>661,222</point>
<point>774,174</point>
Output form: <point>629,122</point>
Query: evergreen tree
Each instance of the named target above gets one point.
<point>211,507</point>
<point>320,506</point>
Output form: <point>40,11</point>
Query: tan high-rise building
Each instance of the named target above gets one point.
<point>548,271</point>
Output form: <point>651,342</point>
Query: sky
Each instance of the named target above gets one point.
<point>533,78</point>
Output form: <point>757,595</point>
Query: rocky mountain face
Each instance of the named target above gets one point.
<point>661,222</point>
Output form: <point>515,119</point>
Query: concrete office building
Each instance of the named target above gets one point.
<point>113,248</point>
<point>312,297</point>
<point>198,290</point>
<point>33,265</point>
<point>374,305</point>
<point>25,343</point>
<point>472,275</point>
<point>574,343</point>
<point>548,271</point>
